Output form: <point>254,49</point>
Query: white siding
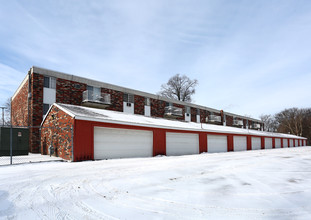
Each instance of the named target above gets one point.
<point>277,143</point>
<point>256,143</point>
<point>147,110</point>
<point>181,144</point>
<point>187,117</point>
<point>239,143</point>
<point>217,143</point>
<point>122,143</point>
<point>268,143</point>
<point>198,119</point>
<point>49,96</point>
<point>128,109</point>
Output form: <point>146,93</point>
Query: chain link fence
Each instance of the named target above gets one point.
<point>17,143</point>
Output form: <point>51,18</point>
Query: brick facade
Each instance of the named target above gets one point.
<point>19,107</point>
<point>116,99</point>
<point>139,106</point>
<point>157,108</point>
<point>69,92</point>
<point>57,130</point>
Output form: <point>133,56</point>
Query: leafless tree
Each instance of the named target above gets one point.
<point>179,87</point>
<point>290,121</point>
<point>269,122</point>
<point>7,117</point>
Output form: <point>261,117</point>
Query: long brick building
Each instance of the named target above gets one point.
<point>42,87</point>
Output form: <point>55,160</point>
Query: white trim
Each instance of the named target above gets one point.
<point>20,87</point>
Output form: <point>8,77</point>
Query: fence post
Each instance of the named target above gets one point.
<point>11,144</point>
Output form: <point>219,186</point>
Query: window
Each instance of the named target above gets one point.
<point>93,92</point>
<point>128,98</point>
<point>168,104</point>
<point>188,109</point>
<point>45,108</point>
<point>49,82</point>
<point>147,101</point>
<point>198,111</point>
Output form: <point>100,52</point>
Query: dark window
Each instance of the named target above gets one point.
<point>147,101</point>
<point>45,108</point>
<point>188,109</point>
<point>198,111</point>
<point>128,98</point>
<point>47,82</point>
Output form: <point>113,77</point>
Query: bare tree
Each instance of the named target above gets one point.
<point>291,121</point>
<point>7,112</point>
<point>269,122</point>
<point>179,87</point>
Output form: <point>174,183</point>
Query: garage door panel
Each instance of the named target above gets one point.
<point>239,143</point>
<point>277,143</point>
<point>285,143</point>
<point>122,143</point>
<point>268,143</point>
<point>256,143</point>
<point>217,143</point>
<point>291,143</point>
<point>181,144</point>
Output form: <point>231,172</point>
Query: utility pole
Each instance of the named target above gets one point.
<point>3,115</point>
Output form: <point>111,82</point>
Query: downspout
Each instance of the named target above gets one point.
<point>29,95</point>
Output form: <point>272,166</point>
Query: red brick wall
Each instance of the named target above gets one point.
<point>203,115</point>
<point>116,99</point>
<point>69,92</point>
<point>56,130</point>
<point>19,107</point>
<point>36,111</point>
<point>139,105</point>
<point>193,114</point>
<point>157,108</point>
<point>229,120</point>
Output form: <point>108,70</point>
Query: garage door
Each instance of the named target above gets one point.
<point>285,143</point>
<point>277,143</point>
<point>296,143</point>
<point>239,143</point>
<point>268,143</point>
<point>122,143</point>
<point>181,144</point>
<point>291,143</point>
<point>256,143</point>
<point>217,143</point>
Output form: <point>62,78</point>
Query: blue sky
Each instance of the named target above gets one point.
<point>250,57</point>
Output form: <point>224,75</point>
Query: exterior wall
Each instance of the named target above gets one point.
<point>19,107</point>
<point>116,99</point>
<point>181,118</point>
<point>69,92</point>
<point>57,131</point>
<point>229,120</point>
<point>139,105</point>
<point>157,108</point>
<point>193,114</point>
<point>36,111</point>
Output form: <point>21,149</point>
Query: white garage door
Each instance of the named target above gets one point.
<point>122,143</point>
<point>239,143</point>
<point>268,143</point>
<point>291,143</point>
<point>217,143</point>
<point>181,144</point>
<point>296,143</point>
<point>277,143</point>
<point>285,143</point>
<point>256,143</point>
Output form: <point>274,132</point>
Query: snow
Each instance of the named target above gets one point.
<point>102,115</point>
<point>259,184</point>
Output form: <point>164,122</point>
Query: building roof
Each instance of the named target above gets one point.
<point>102,115</point>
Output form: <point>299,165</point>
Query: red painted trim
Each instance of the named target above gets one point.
<point>288,142</point>
<point>230,142</point>
<point>262,143</point>
<point>282,142</point>
<point>249,142</point>
<point>273,142</point>
<point>203,142</point>
<point>159,142</point>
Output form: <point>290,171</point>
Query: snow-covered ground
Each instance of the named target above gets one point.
<point>263,184</point>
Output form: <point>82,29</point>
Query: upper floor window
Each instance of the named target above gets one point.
<point>49,82</point>
<point>198,111</point>
<point>188,109</point>
<point>93,92</point>
<point>128,98</point>
<point>147,101</point>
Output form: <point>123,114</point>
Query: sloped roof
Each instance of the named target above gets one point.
<point>102,115</point>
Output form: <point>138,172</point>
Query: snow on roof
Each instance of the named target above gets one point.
<point>102,115</point>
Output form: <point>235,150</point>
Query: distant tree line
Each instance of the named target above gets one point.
<point>290,121</point>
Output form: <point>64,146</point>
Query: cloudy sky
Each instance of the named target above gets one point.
<point>250,57</point>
